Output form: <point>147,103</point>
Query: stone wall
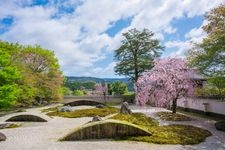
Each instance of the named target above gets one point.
<point>212,106</point>
<point>109,99</point>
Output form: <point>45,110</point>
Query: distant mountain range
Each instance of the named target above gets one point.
<point>108,80</point>
<point>100,80</point>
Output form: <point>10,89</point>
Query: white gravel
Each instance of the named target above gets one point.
<point>44,136</point>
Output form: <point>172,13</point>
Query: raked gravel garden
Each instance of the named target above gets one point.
<point>49,135</point>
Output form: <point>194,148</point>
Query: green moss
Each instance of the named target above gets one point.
<point>14,125</point>
<point>11,125</point>
<point>172,134</point>
<point>109,128</point>
<point>169,116</point>
<point>102,112</point>
<point>22,110</point>
<point>137,119</point>
<point>50,109</point>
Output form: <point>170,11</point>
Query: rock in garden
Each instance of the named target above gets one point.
<point>65,109</point>
<point>96,118</point>
<point>2,137</point>
<point>100,106</point>
<point>125,108</point>
<point>220,126</point>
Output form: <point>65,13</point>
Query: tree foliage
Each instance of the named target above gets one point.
<point>9,75</point>
<point>66,91</point>
<point>32,71</point>
<point>78,93</point>
<point>219,84</point>
<point>117,88</point>
<point>165,83</point>
<point>136,54</point>
<point>75,85</point>
<point>209,55</point>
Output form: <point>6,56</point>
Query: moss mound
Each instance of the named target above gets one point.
<point>101,112</point>
<point>169,116</point>
<point>84,102</point>
<point>50,109</point>
<point>172,134</point>
<point>106,129</point>
<point>137,119</point>
<point>27,118</point>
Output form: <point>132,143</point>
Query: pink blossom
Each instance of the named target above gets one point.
<point>168,81</point>
<point>102,90</point>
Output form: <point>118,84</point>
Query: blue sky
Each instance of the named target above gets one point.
<point>84,33</point>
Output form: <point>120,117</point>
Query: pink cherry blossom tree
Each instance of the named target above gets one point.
<point>168,81</point>
<point>102,90</point>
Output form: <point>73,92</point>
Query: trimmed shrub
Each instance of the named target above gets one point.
<point>129,97</point>
<point>26,118</point>
<point>106,129</point>
<point>78,93</point>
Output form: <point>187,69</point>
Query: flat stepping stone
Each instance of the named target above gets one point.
<point>2,137</point>
<point>106,129</point>
<point>84,102</point>
<point>26,118</point>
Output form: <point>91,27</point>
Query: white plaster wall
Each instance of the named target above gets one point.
<point>214,106</point>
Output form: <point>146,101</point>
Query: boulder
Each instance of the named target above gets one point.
<point>220,125</point>
<point>2,137</point>
<point>65,109</point>
<point>125,108</point>
<point>96,118</point>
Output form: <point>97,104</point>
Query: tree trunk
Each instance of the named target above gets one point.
<point>174,106</point>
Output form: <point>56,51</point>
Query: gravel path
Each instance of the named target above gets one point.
<point>44,136</point>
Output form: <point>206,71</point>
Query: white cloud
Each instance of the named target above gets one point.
<point>79,39</point>
<point>194,36</point>
<point>180,46</point>
<point>108,71</point>
<point>170,30</point>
